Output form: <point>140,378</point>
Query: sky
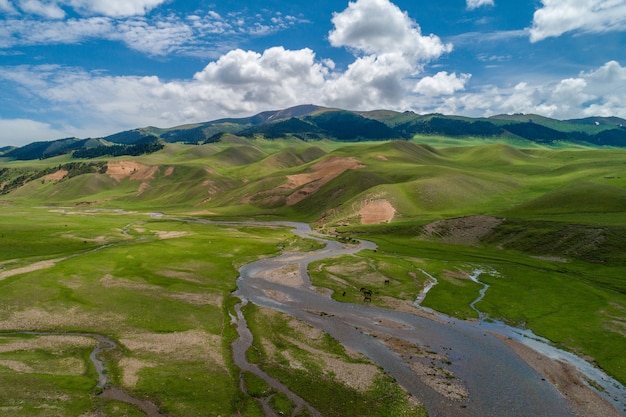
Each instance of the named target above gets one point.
<point>90,68</point>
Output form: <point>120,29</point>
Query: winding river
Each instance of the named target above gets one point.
<point>498,382</point>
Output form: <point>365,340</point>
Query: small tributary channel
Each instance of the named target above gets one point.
<point>106,390</point>
<point>498,381</point>
<point>610,388</point>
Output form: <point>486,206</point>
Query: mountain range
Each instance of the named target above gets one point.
<point>313,123</point>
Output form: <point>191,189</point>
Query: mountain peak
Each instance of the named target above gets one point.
<point>296,111</point>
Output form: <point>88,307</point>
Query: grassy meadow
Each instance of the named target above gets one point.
<point>160,288</point>
<point>92,258</point>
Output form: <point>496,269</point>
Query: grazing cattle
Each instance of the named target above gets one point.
<point>386,282</point>
<point>367,293</point>
<point>367,298</point>
<point>344,294</point>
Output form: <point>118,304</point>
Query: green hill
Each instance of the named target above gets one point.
<point>311,179</point>
<point>315,123</point>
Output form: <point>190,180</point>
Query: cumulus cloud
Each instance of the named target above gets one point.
<point>441,83</point>
<point>570,92</point>
<point>607,86</point>
<point>237,83</point>
<point>557,17</point>
<point>370,81</point>
<point>475,4</point>
<point>380,27</point>
<point>276,77</point>
<point>601,92</point>
<point>389,49</point>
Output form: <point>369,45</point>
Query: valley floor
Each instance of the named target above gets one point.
<point>160,286</point>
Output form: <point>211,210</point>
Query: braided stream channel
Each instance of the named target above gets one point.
<point>498,381</point>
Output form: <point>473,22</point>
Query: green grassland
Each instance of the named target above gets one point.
<point>163,297</point>
<point>555,263</point>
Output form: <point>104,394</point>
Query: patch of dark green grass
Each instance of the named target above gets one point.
<point>256,387</point>
<point>384,398</point>
<point>187,389</point>
<point>282,405</point>
<point>25,393</point>
<point>591,243</point>
<point>384,275</point>
<point>453,297</point>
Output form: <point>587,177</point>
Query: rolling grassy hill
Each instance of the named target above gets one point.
<point>253,174</point>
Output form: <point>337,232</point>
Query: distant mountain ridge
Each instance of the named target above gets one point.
<point>311,123</point>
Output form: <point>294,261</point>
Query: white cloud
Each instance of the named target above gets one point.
<point>275,78</point>
<point>609,74</point>
<point>246,82</point>
<point>601,92</point>
<point>475,4</point>
<point>570,93</point>
<point>557,17</point>
<point>7,7</point>
<point>441,83</point>
<point>166,36</point>
<point>50,10</point>
<point>156,37</point>
<point>369,81</point>
<point>33,32</point>
<point>607,86</point>
<point>53,9</point>
<point>19,132</point>
<point>389,49</point>
<point>114,8</point>
<point>380,27</point>
<point>237,83</point>
<point>159,35</point>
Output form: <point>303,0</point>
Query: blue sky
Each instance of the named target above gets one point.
<point>89,68</point>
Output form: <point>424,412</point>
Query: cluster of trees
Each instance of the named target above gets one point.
<point>448,126</point>
<point>343,126</point>
<point>120,150</point>
<point>347,126</point>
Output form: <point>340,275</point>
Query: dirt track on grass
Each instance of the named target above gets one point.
<point>455,368</point>
<point>30,268</point>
